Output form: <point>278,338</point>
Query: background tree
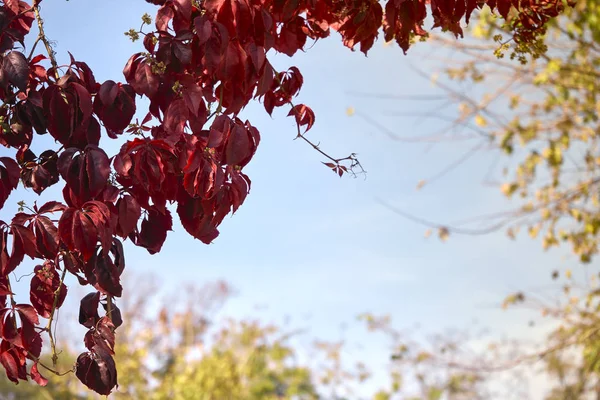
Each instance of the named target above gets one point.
<point>536,104</point>
<point>535,107</point>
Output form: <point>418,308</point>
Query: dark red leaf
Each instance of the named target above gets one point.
<point>44,286</point>
<point>115,106</point>
<point>96,369</point>
<point>88,310</point>
<point>154,230</point>
<point>129,214</point>
<point>46,236</point>
<point>103,274</point>
<point>9,178</point>
<point>16,69</point>
<point>115,314</point>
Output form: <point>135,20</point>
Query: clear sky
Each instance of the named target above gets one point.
<point>316,247</point>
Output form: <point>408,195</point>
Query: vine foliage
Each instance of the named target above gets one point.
<point>202,63</point>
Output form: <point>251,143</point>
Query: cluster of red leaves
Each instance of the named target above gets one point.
<point>204,62</point>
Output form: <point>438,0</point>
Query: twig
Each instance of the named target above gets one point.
<point>44,39</point>
<point>49,325</point>
<point>37,40</point>
<point>354,163</point>
<point>109,307</point>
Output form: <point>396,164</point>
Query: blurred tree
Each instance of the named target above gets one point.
<point>170,355</point>
<point>186,352</point>
<point>538,104</point>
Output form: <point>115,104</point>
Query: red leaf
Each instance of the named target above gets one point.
<point>12,5</point>
<point>52,206</point>
<point>23,243</point>
<point>81,229</point>
<point>43,289</point>
<point>292,36</point>
<point>36,376</point>
<point>11,363</point>
<point>362,25</point>
<point>176,117</point>
<point>138,73</point>
<point>304,116</point>
<point>28,313</point>
<point>78,232</point>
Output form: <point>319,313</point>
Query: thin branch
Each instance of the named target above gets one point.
<point>354,163</point>
<point>44,39</point>
<point>49,325</point>
<point>37,40</point>
<point>109,307</point>
<point>430,224</point>
<point>456,163</point>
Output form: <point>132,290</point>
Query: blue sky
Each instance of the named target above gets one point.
<point>316,247</point>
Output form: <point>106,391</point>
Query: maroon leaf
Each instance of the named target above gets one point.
<point>88,310</point>
<point>8,325</point>
<point>96,369</point>
<point>129,214</point>
<point>85,172</point>
<point>9,178</point>
<point>44,285</point>
<point>42,174</point>
<point>36,376</point>
<point>102,335</point>
<point>23,243</point>
<point>115,314</point>
<point>103,273</point>
<point>115,106</point>
<point>154,230</point>
<point>81,229</point>
<point>46,236</point>
<point>16,69</point>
